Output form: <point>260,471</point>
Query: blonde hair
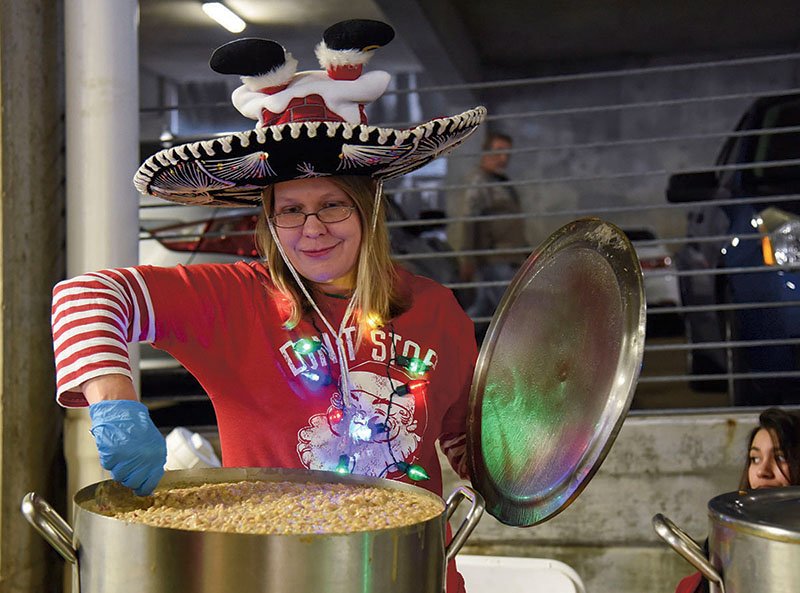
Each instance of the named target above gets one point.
<point>376,296</point>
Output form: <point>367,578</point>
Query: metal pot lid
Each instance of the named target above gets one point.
<point>556,372</point>
<point>773,513</point>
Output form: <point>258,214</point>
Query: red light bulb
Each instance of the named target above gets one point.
<point>417,387</point>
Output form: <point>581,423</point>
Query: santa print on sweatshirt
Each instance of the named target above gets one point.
<point>381,426</point>
<point>278,405</point>
<point>376,431</point>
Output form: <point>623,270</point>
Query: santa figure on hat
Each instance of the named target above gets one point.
<point>274,93</point>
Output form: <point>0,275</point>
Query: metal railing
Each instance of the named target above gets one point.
<point>613,160</point>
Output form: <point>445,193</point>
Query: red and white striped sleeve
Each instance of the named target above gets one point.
<point>94,317</point>
<point>454,446</point>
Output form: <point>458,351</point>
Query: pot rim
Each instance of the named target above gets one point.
<point>734,510</point>
<point>84,498</point>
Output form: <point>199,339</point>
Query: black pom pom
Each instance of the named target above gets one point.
<point>357,34</point>
<point>248,57</point>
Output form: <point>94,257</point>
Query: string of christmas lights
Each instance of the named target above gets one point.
<point>415,472</point>
<point>372,431</point>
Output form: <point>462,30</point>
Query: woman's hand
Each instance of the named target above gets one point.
<point>130,445</point>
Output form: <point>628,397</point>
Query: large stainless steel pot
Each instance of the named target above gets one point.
<point>753,542</point>
<point>112,556</point>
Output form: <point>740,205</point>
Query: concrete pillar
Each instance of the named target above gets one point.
<point>31,261</point>
<point>102,102</point>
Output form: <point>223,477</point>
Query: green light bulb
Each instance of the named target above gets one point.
<point>417,473</point>
<point>343,467</point>
<point>413,471</point>
<point>306,346</point>
<point>417,366</point>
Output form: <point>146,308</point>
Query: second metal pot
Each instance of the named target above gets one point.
<point>753,542</point>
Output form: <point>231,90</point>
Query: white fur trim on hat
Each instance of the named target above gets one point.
<point>340,57</point>
<point>275,77</point>
<point>341,96</point>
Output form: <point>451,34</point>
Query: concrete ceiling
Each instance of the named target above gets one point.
<point>176,38</point>
<point>471,40</point>
<point>545,30</point>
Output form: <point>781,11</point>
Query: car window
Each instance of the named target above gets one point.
<point>159,223</point>
<point>727,151</point>
<point>779,147</point>
<point>639,234</point>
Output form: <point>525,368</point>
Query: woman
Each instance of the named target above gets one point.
<point>325,356</point>
<point>773,461</point>
<point>773,457</point>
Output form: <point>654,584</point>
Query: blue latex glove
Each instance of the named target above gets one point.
<point>130,445</point>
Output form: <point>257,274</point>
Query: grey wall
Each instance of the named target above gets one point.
<point>571,179</point>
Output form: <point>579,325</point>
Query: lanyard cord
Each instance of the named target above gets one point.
<point>344,370</point>
<point>376,204</point>
<point>393,357</point>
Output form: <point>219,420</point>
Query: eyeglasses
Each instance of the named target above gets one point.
<point>327,215</point>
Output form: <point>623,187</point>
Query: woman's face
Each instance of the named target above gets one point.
<point>768,466</point>
<point>325,254</point>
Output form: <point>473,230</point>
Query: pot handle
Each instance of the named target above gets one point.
<point>469,523</point>
<point>684,545</point>
<point>50,525</point>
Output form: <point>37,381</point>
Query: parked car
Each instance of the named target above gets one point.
<point>660,281</point>
<point>749,245</point>
<point>423,239</point>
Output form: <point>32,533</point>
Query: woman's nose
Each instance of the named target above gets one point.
<point>765,470</point>
<point>313,226</point>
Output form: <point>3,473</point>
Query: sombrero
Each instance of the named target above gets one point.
<point>309,124</point>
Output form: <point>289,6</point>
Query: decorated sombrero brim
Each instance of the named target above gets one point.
<point>232,170</point>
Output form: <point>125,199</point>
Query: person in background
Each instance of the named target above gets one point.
<point>323,355</point>
<point>774,451</point>
<point>489,194</point>
<point>772,461</point>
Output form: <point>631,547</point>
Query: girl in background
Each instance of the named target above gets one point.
<point>772,461</point>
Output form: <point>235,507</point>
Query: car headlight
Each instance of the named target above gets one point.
<point>786,243</point>
<point>781,244</point>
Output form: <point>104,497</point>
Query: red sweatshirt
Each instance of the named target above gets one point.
<point>274,406</point>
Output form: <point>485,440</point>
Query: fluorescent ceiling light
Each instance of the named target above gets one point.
<point>224,16</point>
